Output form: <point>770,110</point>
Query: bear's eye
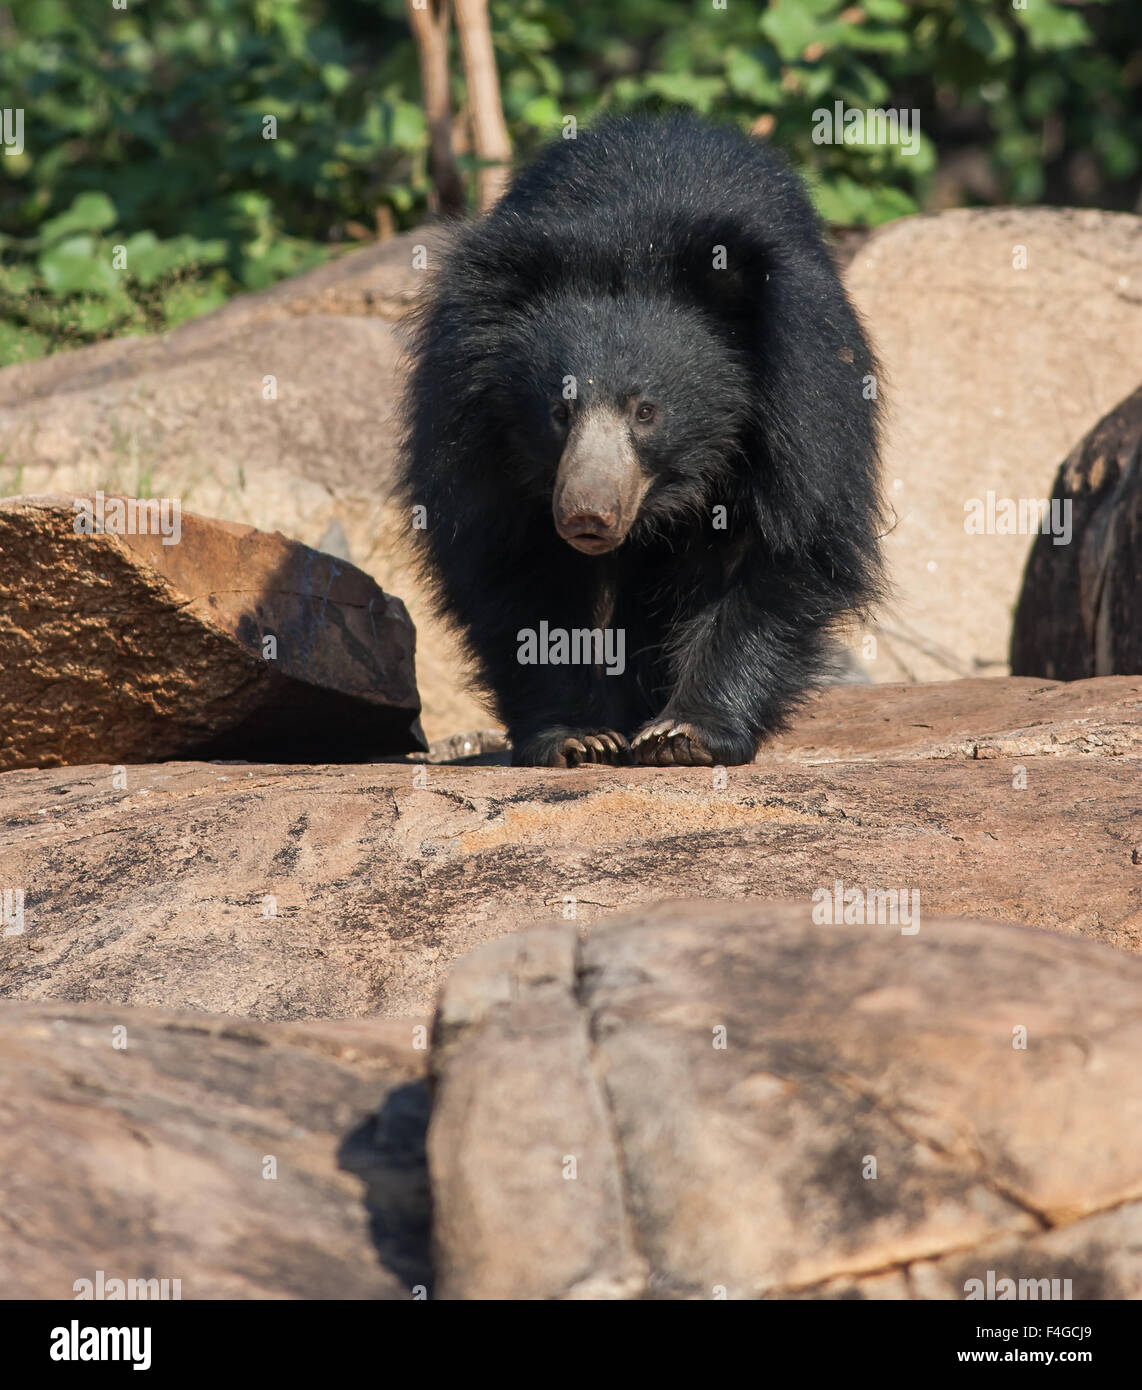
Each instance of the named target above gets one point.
<point>645,413</point>
<point>560,414</point>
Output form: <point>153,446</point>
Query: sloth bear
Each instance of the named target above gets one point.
<point>641,447</point>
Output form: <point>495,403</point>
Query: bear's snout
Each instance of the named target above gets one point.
<point>600,484</point>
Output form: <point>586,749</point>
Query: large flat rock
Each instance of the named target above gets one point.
<point>332,891</point>
<point>706,1100</point>
<point>242,1160</point>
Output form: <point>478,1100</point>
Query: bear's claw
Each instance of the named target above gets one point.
<point>671,743</point>
<point>602,746</point>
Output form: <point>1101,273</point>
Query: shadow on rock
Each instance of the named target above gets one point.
<point>387,1153</point>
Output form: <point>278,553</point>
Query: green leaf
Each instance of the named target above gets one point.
<point>842,199</point>
<point>149,259</point>
<point>541,113</point>
<point>75,267</point>
<point>406,127</point>
<point>1049,26</point>
<point>878,40</point>
<point>90,212</point>
<point>748,77</point>
<point>793,25</point>
<point>336,77</point>
<point>43,18</point>
<point>686,89</point>
<point>889,10</point>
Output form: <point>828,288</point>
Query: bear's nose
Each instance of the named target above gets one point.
<point>588,523</point>
<point>592,532</point>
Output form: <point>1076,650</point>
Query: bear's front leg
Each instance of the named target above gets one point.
<point>565,716</point>
<point>736,670</point>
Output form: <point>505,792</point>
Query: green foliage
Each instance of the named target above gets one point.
<point>1026,90</point>
<point>148,191</point>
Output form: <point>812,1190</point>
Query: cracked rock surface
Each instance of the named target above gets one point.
<point>729,1099</point>
<point>284,892</point>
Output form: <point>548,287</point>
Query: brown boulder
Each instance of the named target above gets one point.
<point>243,1161</point>
<point>211,637</point>
<point>275,411</point>
<point>287,892</point>
<point>1080,610</point>
<point>715,1099</point>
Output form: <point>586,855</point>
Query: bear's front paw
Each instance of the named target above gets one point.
<point>684,743</point>
<point>672,743</point>
<point>572,748</point>
<point>602,746</point>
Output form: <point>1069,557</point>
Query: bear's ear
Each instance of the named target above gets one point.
<point>725,270</point>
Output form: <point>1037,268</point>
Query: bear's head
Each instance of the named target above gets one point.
<point>627,411</point>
